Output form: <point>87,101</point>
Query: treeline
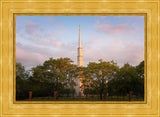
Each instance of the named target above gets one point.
<point>54,75</point>
<point>102,78</point>
<point>107,78</point>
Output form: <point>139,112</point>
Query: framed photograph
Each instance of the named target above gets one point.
<point>72,58</point>
<point>102,61</point>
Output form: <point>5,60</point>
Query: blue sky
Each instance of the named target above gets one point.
<point>118,38</point>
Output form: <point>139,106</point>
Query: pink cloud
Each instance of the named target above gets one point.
<point>94,40</point>
<point>111,29</point>
<point>133,28</point>
<point>49,42</point>
<point>49,33</point>
<point>51,19</point>
<point>119,43</point>
<point>46,41</point>
<point>58,31</point>
<point>32,55</point>
<point>115,29</point>
<point>18,35</point>
<point>29,57</point>
<point>32,28</point>
<point>120,51</point>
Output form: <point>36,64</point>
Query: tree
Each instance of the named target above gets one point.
<point>97,76</point>
<point>56,73</point>
<point>140,69</point>
<point>20,71</point>
<point>22,85</point>
<point>126,79</point>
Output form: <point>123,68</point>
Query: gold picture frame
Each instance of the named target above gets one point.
<point>150,105</point>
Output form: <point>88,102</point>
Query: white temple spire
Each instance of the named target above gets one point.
<point>80,56</point>
<point>79,63</point>
<point>79,36</point>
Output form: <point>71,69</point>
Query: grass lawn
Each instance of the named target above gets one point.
<point>109,98</point>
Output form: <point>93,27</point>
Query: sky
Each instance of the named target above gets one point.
<point>118,38</point>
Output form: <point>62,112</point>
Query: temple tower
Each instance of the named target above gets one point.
<point>80,56</point>
<point>79,63</point>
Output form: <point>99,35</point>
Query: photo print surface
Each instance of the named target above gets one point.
<point>79,58</point>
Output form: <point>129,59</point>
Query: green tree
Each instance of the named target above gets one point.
<point>56,73</point>
<point>21,72</point>
<point>126,79</point>
<point>97,76</point>
<point>22,84</point>
<point>140,69</point>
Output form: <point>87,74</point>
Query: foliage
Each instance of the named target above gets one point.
<point>90,91</point>
<point>98,74</point>
<point>20,71</point>
<point>67,91</point>
<point>97,79</point>
<point>140,69</point>
<point>58,74</point>
<point>22,85</point>
<point>127,79</point>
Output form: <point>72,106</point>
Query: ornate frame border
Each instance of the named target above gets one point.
<point>150,107</point>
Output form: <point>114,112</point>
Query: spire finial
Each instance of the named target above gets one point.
<point>79,27</point>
